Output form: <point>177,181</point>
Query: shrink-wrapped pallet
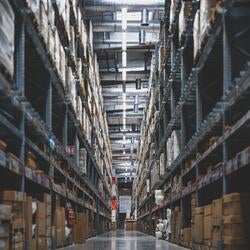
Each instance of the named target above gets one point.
<point>185,10</point>
<point>7,33</point>
<point>83,161</point>
<point>57,51</point>
<point>62,65</point>
<point>43,22</point>
<point>208,9</point>
<point>196,32</point>
<point>173,7</point>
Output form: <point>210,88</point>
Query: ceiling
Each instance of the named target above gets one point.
<point>125,94</point>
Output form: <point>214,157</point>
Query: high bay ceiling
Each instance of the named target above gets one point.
<point>125,35</point>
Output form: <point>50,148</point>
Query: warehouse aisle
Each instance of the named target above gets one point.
<point>122,240</point>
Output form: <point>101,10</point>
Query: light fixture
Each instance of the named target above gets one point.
<point>124,74</point>
<point>144,17</point>
<point>124,59</point>
<point>124,41</point>
<point>124,18</point>
<point>136,104</point>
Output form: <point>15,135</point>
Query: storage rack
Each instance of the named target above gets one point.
<point>223,56</point>
<point>27,127</point>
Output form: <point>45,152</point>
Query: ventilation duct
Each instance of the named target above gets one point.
<point>145,17</point>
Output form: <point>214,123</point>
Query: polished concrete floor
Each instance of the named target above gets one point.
<point>122,240</point>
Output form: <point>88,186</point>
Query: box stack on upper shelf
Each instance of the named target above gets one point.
<point>55,134</point>
<point>200,146</point>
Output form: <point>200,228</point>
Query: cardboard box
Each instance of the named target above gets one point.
<point>216,236</point>
<point>216,212</point>
<point>28,218</point>
<point>5,212</point>
<point>40,227</point>
<point>236,204</point>
<point>32,244</point>
<point>207,222</point>
<point>199,225</point>
<point>60,226</point>
<point>79,230</point>
<point>12,196</point>
<point>234,226</point>
<point>187,235</point>
<point>129,226</point>
<point>40,213</point>
<point>31,161</point>
<point>41,243</point>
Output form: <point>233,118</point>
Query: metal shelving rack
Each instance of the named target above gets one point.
<point>224,56</point>
<point>32,121</point>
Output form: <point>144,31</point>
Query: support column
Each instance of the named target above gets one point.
<point>20,84</point>
<point>227,80</point>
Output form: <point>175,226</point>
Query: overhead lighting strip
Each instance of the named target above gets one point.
<point>124,72</point>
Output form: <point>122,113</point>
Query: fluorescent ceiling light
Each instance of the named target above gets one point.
<point>124,59</point>
<point>124,74</point>
<point>131,16</point>
<point>124,18</point>
<point>124,41</point>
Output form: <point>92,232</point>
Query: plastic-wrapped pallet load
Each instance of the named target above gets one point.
<point>83,161</point>
<point>57,51</point>
<point>7,33</point>
<point>43,22</point>
<point>162,164</point>
<point>176,143</point>
<point>185,10</point>
<point>159,197</point>
<point>196,33</point>
<point>173,7</point>
<point>208,9</point>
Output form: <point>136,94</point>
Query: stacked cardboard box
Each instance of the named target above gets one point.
<point>16,201</point>
<point>60,226</point>
<point>207,225</point>
<point>235,221</point>
<point>28,215</point>
<point>187,237</point>
<point>40,220</point>
<point>199,225</point>
<point>176,225</point>
<point>5,226</point>
<point>80,228</point>
<point>216,222</point>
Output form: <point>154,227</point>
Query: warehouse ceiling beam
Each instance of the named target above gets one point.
<point>111,76</point>
<point>132,26</point>
<point>117,5</point>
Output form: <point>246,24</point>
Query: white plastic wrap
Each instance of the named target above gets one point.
<point>207,8</point>
<point>7,33</point>
<point>173,7</point>
<point>196,33</point>
<point>83,161</point>
<point>185,10</point>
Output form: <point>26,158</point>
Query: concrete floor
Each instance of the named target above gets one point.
<point>122,240</point>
